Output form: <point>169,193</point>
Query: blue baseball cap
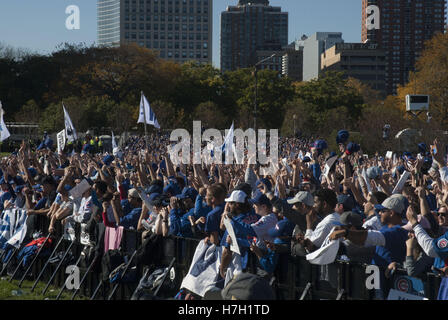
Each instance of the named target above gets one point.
<point>261,199</point>
<point>342,136</point>
<point>107,160</point>
<point>38,187</point>
<point>352,148</point>
<point>188,193</point>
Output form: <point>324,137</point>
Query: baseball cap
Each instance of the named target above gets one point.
<point>261,199</point>
<point>350,218</point>
<point>342,136</point>
<point>133,193</point>
<point>190,193</point>
<point>237,196</point>
<point>346,201</point>
<point>156,199</point>
<point>304,197</point>
<point>244,286</point>
<point>397,203</point>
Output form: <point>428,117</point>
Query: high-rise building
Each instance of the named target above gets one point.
<point>181,30</point>
<point>249,31</point>
<point>401,28</point>
<point>313,47</point>
<point>363,61</point>
<point>292,62</point>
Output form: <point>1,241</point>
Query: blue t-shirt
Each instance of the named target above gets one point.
<point>131,215</point>
<point>241,234</point>
<point>178,225</point>
<point>394,249</point>
<point>214,219</point>
<point>200,207</point>
<point>440,245</point>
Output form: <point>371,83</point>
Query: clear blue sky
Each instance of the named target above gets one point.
<point>39,25</point>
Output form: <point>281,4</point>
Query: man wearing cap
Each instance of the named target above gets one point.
<point>238,209</point>
<point>390,241</point>
<point>355,253</point>
<point>127,212</point>
<point>259,229</point>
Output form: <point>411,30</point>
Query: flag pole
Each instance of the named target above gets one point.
<point>144,115</point>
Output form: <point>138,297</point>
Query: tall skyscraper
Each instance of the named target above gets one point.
<point>313,47</point>
<point>249,30</point>
<point>400,28</point>
<point>181,30</point>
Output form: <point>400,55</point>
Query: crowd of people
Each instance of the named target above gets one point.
<point>390,211</point>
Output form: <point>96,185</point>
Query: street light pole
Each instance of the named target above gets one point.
<point>256,88</point>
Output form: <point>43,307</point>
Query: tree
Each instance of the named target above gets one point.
<point>29,113</point>
<point>331,101</point>
<point>431,78</point>
<point>210,115</point>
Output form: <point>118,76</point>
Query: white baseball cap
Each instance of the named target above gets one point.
<point>237,196</point>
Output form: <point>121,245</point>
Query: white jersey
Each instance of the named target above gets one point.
<point>262,227</point>
<point>323,229</point>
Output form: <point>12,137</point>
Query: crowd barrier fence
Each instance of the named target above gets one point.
<point>294,279</point>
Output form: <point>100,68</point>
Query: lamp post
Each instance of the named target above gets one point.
<point>256,88</point>
<point>294,117</point>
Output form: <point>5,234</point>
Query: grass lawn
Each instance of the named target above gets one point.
<point>8,291</point>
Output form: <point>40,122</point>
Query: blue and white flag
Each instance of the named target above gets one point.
<point>4,133</point>
<point>20,229</point>
<point>227,146</point>
<point>114,143</point>
<point>13,226</point>
<point>146,115</point>
<point>70,131</point>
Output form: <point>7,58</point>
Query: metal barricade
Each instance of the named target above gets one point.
<point>342,280</point>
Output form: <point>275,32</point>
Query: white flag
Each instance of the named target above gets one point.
<point>70,131</point>
<point>61,141</point>
<point>4,133</point>
<point>228,141</point>
<point>146,114</point>
<point>114,143</point>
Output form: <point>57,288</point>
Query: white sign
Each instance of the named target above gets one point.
<point>389,154</point>
<point>399,295</point>
<point>80,188</point>
<point>61,141</point>
<point>400,184</point>
<point>234,246</point>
